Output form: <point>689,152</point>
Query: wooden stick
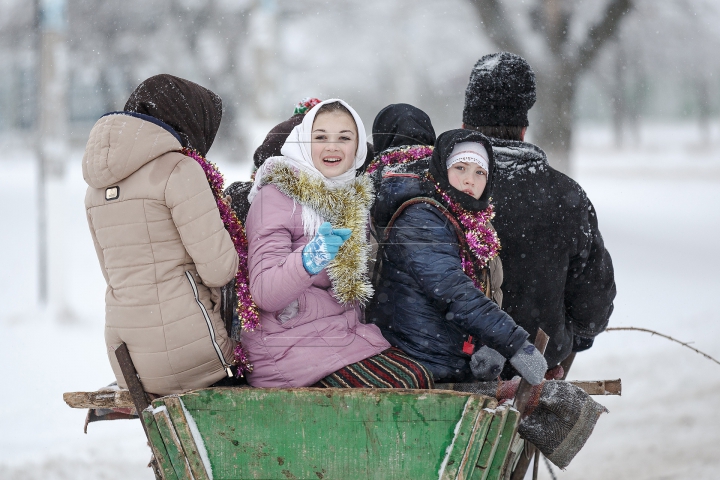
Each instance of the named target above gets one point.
<point>101,399</point>
<point>521,400</point>
<point>522,397</point>
<point>567,363</point>
<point>139,398</point>
<point>599,387</point>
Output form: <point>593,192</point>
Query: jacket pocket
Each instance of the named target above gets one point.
<point>289,312</point>
<point>294,313</point>
<point>226,365</point>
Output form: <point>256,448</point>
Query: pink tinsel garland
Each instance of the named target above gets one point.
<point>399,156</point>
<point>481,239</point>
<point>246,308</point>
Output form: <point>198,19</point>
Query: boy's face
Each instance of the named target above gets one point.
<point>334,143</point>
<point>468,177</point>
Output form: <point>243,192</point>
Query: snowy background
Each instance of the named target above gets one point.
<point>645,146</point>
<point>659,211</point>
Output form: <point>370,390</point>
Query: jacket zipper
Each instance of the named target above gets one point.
<point>220,355</point>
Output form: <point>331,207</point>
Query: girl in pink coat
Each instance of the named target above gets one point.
<point>308,252</point>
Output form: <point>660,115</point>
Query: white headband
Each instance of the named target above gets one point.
<point>472,152</point>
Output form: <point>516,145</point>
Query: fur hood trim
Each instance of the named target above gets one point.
<point>346,206</point>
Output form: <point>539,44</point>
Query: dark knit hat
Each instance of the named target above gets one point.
<point>193,111</point>
<point>500,92</point>
<point>275,139</point>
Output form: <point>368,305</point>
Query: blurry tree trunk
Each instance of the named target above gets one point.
<point>52,150</point>
<point>702,89</point>
<point>553,130</point>
<point>558,69</point>
<point>618,98</point>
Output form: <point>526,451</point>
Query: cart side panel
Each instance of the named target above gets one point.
<point>158,447</point>
<point>176,454</point>
<point>328,433</point>
<point>490,445</point>
<point>182,428</point>
<point>477,440</point>
<point>499,460</point>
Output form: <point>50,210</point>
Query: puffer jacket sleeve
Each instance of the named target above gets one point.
<point>590,285</point>
<point>98,248</point>
<point>429,247</point>
<point>197,218</point>
<point>277,275</point>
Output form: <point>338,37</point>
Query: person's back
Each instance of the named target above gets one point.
<point>159,237</point>
<point>558,276</point>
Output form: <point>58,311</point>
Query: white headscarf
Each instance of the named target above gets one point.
<point>296,152</point>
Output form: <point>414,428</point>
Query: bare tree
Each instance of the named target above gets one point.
<point>559,59</point>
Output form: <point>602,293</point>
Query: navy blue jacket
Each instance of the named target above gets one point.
<point>424,302</point>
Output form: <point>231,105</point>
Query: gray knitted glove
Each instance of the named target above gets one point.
<point>529,363</point>
<point>486,364</point>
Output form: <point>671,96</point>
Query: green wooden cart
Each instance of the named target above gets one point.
<point>318,433</point>
<point>309,433</point>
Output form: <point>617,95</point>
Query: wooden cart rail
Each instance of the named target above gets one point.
<point>123,399</point>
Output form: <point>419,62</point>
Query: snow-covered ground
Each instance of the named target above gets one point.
<point>659,211</point>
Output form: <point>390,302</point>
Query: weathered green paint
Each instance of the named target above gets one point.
<point>175,451</point>
<point>490,445</point>
<point>182,429</point>
<point>471,414</point>
<point>158,447</point>
<point>477,440</point>
<point>330,433</point>
<point>497,466</point>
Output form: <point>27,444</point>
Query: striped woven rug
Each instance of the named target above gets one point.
<point>390,369</point>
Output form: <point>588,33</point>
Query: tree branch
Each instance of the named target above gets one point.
<point>653,332</point>
<point>497,25</point>
<point>601,32</point>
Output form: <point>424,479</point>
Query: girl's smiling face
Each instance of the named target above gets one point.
<point>334,143</point>
<point>468,177</point>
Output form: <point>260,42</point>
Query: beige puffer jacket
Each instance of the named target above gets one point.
<point>162,249</point>
<point>494,286</point>
<point>495,273</point>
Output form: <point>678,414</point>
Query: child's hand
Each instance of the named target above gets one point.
<point>324,247</point>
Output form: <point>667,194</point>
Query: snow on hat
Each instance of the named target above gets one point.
<point>500,92</point>
<point>469,152</point>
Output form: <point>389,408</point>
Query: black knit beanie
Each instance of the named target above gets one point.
<point>500,92</point>
<point>275,139</point>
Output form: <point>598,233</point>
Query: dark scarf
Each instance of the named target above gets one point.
<point>194,112</point>
<point>438,169</point>
<point>400,125</point>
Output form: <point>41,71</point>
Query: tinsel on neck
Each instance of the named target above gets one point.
<point>482,240</point>
<point>398,156</point>
<point>346,206</point>
<point>246,308</point>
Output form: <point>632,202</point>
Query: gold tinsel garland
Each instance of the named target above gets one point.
<point>343,207</point>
